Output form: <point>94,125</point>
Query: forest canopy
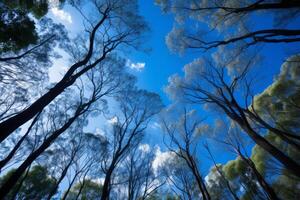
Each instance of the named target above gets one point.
<point>149,100</point>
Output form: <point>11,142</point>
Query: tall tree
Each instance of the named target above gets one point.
<point>226,16</point>
<point>102,81</point>
<point>207,83</point>
<point>137,108</point>
<point>36,185</point>
<point>183,137</point>
<point>118,24</point>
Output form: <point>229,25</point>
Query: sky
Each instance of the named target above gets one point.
<point>153,68</point>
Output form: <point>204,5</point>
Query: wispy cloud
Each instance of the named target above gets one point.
<point>155,126</point>
<point>113,120</point>
<point>139,66</point>
<point>62,15</point>
<point>145,148</point>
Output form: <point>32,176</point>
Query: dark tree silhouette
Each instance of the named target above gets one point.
<point>122,30</point>
<point>211,86</point>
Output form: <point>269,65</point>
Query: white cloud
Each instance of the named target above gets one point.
<point>113,120</point>
<point>155,126</point>
<point>161,158</point>
<point>139,66</point>
<point>145,148</point>
<point>100,132</point>
<point>62,15</point>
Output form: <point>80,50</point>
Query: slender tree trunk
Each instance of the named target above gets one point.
<point>289,163</point>
<point>80,189</point>
<point>11,124</point>
<point>12,180</point>
<point>17,146</point>
<point>199,180</point>
<point>233,194</point>
<point>261,180</point>
<point>62,176</point>
<point>69,188</point>
<point>106,184</point>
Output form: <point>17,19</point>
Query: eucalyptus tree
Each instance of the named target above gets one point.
<point>207,82</point>
<point>23,77</point>
<point>115,24</point>
<point>249,167</point>
<point>36,184</point>
<point>19,21</point>
<point>181,179</point>
<point>183,140</point>
<point>86,189</point>
<point>234,19</point>
<point>86,167</point>
<point>137,174</point>
<point>218,184</point>
<point>137,107</point>
<point>69,113</point>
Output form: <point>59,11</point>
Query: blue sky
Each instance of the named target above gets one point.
<point>160,62</point>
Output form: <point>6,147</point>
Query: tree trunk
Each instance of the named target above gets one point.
<point>286,161</point>
<point>12,180</point>
<point>69,188</point>
<point>63,174</point>
<point>17,146</point>
<point>262,182</point>
<point>106,185</point>
<point>10,125</point>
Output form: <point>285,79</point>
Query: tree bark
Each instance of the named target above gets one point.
<point>286,161</point>
<point>106,184</point>
<point>262,182</point>
<point>62,176</point>
<point>10,125</point>
<point>12,180</point>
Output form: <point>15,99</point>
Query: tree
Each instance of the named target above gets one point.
<point>103,80</point>
<point>180,176</point>
<point>234,141</point>
<point>87,189</point>
<point>23,75</point>
<point>17,30</point>
<point>36,185</point>
<point>13,24</point>
<point>93,147</point>
<point>217,179</point>
<point>140,179</point>
<point>279,103</point>
<point>232,19</point>
<point>207,83</point>
<point>183,136</point>
<point>137,108</point>
<point>118,24</point>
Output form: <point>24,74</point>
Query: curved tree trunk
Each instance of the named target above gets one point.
<point>12,180</point>
<point>286,161</point>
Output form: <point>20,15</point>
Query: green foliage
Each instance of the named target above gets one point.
<point>234,168</point>
<point>88,190</point>
<point>286,187</point>
<point>281,100</point>
<point>37,8</point>
<point>37,184</point>
<point>259,157</point>
<point>17,30</point>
